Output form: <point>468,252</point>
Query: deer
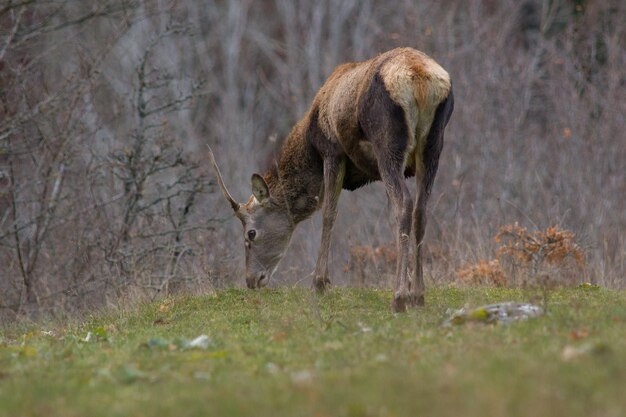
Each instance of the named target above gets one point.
<point>382,119</point>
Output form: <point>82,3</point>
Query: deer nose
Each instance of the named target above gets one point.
<point>256,281</point>
<point>251,282</point>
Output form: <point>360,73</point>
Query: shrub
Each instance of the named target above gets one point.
<point>485,272</point>
<point>552,254</point>
<point>547,258</point>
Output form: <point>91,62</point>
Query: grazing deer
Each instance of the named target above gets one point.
<point>381,119</point>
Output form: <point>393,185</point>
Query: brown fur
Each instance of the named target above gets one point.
<point>371,120</point>
<point>334,110</point>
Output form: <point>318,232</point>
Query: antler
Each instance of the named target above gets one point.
<point>235,205</point>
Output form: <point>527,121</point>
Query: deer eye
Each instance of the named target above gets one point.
<point>251,234</point>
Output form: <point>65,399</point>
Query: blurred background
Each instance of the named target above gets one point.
<point>107,197</point>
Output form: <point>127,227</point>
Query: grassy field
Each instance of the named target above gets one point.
<point>284,353</point>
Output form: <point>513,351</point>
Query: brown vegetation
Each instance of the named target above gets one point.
<point>106,107</point>
<point>550,257</point>
<point>369,265</point>
<point>488,273</point>
<point>552,254</point>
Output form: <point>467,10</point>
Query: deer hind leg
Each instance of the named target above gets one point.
<point>384,124</point>
<point>425,178</point>
<point>399,194</point>
<point>419,227</point>
<point>425,171</point>
<point>334,172</point>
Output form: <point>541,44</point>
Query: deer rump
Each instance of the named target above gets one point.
<point>397,103</point>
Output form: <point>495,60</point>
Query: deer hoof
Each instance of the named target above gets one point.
<point>321,284</point>
<point>402,302</point>
<point>419,300</point>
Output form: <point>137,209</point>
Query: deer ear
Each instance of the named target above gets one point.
<point>260,189</point>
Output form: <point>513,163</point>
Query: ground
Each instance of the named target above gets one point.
<point>286,353</point>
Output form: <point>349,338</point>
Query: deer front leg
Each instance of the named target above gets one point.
<point>334,171</point>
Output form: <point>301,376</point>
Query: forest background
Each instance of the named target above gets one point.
<point>106,108</point>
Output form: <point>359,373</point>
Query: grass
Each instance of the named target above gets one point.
<point>282,353</point>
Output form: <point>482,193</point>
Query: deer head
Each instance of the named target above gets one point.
<point>267,228</point>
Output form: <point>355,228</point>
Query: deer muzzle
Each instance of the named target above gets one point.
<point>257,280</point>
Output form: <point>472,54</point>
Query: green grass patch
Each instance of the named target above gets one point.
<point>286,353</point>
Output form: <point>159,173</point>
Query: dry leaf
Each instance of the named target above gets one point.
<point>579,334</point>
<point>278,336</point>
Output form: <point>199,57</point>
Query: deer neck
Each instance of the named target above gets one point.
<point>296,179</point>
